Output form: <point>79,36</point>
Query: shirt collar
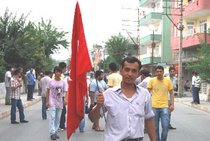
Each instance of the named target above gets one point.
<point>118,90</point>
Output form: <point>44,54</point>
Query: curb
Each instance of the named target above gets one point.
<point>25,105</point>
<point>199,107</point>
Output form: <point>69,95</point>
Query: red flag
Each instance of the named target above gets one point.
<point>79,65</point>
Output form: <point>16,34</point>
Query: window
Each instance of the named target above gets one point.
<point>176,32</point>
<point>190,27</point>
<point>202,25</point>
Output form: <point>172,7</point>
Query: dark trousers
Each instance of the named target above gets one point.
<point>193,93</point>
<point>16,103</point>
<point>196,95</point>
<point>30,91</point>
<point>44,113</point>
<point>63,118</point>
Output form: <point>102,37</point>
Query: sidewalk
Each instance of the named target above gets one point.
<point>187,99</point>
<point>5,109</point>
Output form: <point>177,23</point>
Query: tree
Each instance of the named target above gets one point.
<point>119,47</point>
<point>201,62</point>
<point>26,44</point>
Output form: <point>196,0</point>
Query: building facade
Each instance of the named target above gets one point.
<point>155,44</point>
<point>196,22</point>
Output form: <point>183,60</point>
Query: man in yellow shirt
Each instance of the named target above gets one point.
<point>114,79</point>
<point>159,87</point>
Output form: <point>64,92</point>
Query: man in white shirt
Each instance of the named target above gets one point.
<point>128,107</point>
<point>7,82</point>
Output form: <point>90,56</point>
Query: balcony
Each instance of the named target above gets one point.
<point>198,8</point>
<point>147,3</point>
<point>189,41</point>
<point>147,40</point>
<point>148,60</point>
<point>151,18</point>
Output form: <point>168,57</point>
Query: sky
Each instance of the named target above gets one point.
<point>101,18</point>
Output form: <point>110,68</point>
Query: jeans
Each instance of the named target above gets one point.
<point>16,103</point>
<point>54,119</point>
<point>44,113</point>
<point>82,123</point>
<point>163,115</point>
<point>193,93</point>
<point>30,92</point>
<point>196,95</point>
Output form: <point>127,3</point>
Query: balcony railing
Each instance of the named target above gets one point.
<point>196,9</point>
<point>189,41</point>
<point>147,3</point>
<point>147,40</point>
<point>151,18</point>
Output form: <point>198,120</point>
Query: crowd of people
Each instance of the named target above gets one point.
<point>132,101</point>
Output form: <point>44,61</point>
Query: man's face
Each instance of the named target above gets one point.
<point>101,77</point>
<point>159,73</point>
<point>172,73</point>
<point>130,72</point>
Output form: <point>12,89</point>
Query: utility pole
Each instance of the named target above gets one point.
<point>153,46</point>
<point>181,27</point>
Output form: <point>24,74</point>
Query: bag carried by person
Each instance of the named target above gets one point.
<point>87,109</point>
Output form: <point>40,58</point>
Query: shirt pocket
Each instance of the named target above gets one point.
<point>138,109</point>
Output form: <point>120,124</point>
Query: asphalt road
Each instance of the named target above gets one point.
<point>191,124</point>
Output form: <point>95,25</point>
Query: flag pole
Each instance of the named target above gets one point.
<point>101,107</point>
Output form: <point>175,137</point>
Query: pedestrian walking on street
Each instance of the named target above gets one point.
<point>159,87</point>
<point>114,78</point>
<point>15,99</point>
<point>54,101</point>
<point>128,106</point>
<point>31,82</point>
<point>197,86</point>
<point>62,66</point>
<point>193,93</point>
<point>43,85</point>
<point>173,80</point>
<point>7,82</point>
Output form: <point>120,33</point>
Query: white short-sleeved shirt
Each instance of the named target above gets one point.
<point>7,78</point>
<point>95,88</point>
<point>144,82</point>
<point>44,83</point>
<point>125,117</point>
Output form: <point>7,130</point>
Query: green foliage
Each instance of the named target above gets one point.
<point>26,44</point>
<point>201,63</point>
<point>119,47</point>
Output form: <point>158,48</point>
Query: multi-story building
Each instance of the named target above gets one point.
<point>155,44</point>
<point>196,21</point>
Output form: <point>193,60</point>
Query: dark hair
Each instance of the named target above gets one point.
<point>62,65</point>
<point>131,60</point>
<point>113,66</point>
<point>8,67</point>
<point>145,73</point>
<point>57,69</point>
<point>16,71</point>
<point>47,72</point>
<point>159,67</point>
<point>171,68</point>
<point>98,73</point>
